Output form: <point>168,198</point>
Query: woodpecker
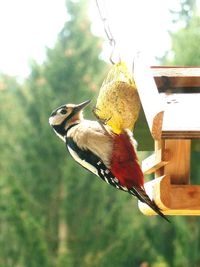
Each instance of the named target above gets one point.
<point>110,156</point>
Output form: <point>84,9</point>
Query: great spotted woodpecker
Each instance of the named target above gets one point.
<point>110,156</point>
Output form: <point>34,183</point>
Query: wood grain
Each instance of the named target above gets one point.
<point>172,199</point>
<point>154,162</point>
<point>178,168</point>
<point>171,77</point>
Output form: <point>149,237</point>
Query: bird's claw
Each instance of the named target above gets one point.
<point>100,120</point>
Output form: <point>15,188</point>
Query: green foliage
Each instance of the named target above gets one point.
<point>34,167</point>
<point>185,41</point>
<point>73,67</point>
<point>185,13</point>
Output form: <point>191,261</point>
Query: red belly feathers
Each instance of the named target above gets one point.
<point>124,163</point>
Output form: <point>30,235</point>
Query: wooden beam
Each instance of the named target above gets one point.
<point>166,134</point>
<point>171,77</point>
<point>159,144</point>
<point>154,162</point>
<point>172,199</point>
<point>149,96</point>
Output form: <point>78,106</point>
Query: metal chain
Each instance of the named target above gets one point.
<point>103,16</point>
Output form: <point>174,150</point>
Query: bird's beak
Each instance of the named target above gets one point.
<point>81,106</point>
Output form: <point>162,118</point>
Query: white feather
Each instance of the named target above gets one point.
<point>90,135</point>
<point>83,162</point>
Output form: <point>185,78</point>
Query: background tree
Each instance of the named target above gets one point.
<point>185,49</point>
<point>35,167</point>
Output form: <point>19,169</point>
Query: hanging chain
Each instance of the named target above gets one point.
<point>103,16</point>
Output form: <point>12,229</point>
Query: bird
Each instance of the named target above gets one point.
<point>108,155</point>
<point>118,99</point>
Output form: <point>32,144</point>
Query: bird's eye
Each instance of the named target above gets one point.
<point>63,111</point>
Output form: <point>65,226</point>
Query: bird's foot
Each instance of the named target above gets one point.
<point>101,121</point>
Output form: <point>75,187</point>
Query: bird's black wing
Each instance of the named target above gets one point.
<point>93,163</point>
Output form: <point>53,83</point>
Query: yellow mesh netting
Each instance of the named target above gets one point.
<point>118,101</point>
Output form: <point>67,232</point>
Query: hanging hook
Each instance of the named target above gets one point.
<point>103,16</point>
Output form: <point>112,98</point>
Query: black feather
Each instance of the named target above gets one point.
<point>103,172</point>
<point>143,197</point>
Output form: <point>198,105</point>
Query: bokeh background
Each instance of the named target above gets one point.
<point>52,212</point>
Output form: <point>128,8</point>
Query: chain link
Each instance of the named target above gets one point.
<point>103,16</point>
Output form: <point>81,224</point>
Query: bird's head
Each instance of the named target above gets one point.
<point>65,116</point>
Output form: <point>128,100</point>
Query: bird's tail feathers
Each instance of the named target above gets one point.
<point>143,197</point>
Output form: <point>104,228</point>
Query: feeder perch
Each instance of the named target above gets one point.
<point>170,98</point>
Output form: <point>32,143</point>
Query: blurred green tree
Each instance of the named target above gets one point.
<point>35,168</point>
<point>185,49</point>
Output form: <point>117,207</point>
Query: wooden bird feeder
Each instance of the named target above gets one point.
<point>170,98</point>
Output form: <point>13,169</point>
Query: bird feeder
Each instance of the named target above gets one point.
<point>170,98</point>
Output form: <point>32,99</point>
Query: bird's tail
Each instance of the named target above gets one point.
<point>143,197</point>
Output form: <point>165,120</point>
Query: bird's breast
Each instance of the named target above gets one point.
<point>89,135</point>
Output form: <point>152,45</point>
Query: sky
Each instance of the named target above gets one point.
<point>137,25</point>
<point>27,27</point>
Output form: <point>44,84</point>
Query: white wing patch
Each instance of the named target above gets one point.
<point>82,162</point>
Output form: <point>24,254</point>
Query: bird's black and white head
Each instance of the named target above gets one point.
<point>66,116</point>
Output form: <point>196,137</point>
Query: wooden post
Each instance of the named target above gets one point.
<point>159,145</point>
<point>178,168</point>
<point>178,77</point>
<point>172,199</point>
<point>155,162</point>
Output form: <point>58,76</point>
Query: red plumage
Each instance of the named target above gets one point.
<point>125,167</point>
<point>124,162</point>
